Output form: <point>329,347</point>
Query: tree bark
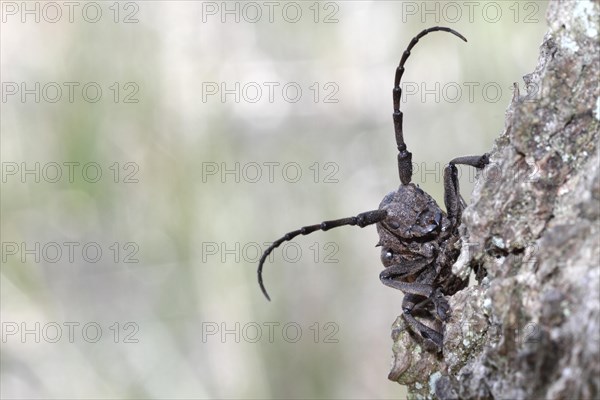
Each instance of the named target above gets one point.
<point>530,327</point>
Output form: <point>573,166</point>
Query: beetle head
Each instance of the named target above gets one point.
<point>412,214</point>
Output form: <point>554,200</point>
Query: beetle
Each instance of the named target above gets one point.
<point>419,242</point>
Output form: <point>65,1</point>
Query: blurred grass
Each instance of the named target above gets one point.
<point>171,213</point>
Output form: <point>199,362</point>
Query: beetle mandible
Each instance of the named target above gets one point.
<point>419,242</point>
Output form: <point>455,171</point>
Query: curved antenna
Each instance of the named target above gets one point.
<point>405,156</point>
<point>362,220</point>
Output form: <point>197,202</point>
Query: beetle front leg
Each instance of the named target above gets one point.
<point>399,272</point>
<point>424,290</point>
<point>452,198</point>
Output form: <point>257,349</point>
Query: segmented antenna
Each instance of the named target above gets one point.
<point>405,156</point>
<point>404,167</point>
<point>362,220</point>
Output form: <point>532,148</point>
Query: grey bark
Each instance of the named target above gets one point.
<point>530,327</point>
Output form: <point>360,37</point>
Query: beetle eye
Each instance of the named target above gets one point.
<point>393,224</point>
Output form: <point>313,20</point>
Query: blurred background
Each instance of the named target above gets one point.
<point>151,151</point>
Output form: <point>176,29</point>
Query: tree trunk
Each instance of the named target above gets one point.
<point>530,328</point>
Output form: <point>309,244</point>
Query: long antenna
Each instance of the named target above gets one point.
<point>405,156</point>
<point>362,220</point>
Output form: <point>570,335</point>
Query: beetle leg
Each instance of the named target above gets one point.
<point>427,292</point>
<point>432,339</point>
<point>395,277</point>
<point>390,276</point>
<point>400,271</point>
<point>441,304</point>
<point>420,289</point>
<point>473,161</point>
<point>452,198</point>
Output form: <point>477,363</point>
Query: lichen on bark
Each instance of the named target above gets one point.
<point>530,327</point>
